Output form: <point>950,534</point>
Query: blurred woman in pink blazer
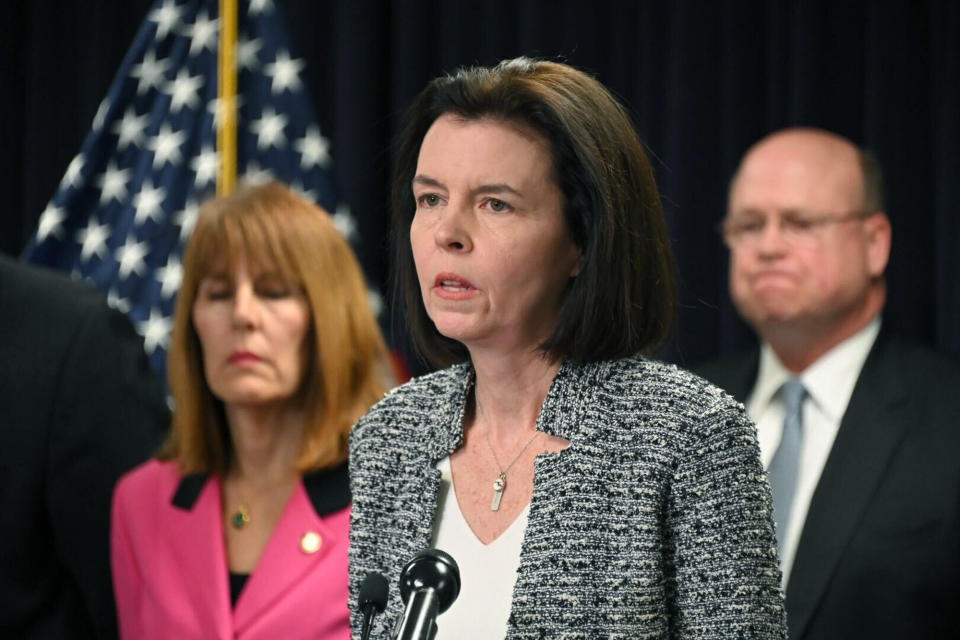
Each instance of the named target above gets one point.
<point>240,528</point>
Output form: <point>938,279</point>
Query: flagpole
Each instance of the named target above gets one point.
<point>227,98</point>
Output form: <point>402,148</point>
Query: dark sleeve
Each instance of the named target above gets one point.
<point>109,415</point>
<point>726,581</point>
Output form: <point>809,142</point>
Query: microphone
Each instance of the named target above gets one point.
<point>373,599</point>
<point>428,584</point>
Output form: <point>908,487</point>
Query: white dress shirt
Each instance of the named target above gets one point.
<point>829,383</point>
<point>487,571</point>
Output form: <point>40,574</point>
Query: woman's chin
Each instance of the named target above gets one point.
<point>255,397</point>
<point>458,327</point>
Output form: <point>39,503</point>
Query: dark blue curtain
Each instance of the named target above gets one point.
<point>703,80</point>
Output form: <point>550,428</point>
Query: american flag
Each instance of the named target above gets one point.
<point>128,201</point>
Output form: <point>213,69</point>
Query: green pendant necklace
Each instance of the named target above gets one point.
<point>240,517</point>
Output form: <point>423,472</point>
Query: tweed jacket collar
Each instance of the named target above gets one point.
<point>559,414</point>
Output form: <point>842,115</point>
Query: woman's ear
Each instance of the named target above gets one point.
<point>578,266</point>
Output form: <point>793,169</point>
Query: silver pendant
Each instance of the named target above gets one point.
<point>498,486</point>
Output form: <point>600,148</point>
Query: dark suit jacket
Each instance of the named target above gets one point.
<point>79,407</point>
<point>879,555</point>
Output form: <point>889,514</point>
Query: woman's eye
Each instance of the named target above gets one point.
<point>217,294</point>
<point>429,200</point>
<point>274,292</point>
<point>274,289</point>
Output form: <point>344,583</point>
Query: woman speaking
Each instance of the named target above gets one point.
<point>240,529</point>
<point>585,490</point>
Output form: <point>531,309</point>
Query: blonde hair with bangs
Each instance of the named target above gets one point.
<point>273,227</point>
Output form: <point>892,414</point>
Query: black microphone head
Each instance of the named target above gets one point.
<point>373,592</point>
<point>435,569</point>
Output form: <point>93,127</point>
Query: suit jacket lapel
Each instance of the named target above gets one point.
<point>871,430</point>
<point>197,538</point>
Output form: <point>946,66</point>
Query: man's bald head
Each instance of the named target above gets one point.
<point>829,148</point>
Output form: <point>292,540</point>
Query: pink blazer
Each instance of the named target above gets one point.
<point>170,569</point>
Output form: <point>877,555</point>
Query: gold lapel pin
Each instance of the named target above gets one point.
<point>310,542</point>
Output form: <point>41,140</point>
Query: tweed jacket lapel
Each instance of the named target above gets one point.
<point>873,426</point>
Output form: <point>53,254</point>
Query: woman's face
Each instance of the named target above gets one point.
<point>489,238</point>
<point>252,324</point>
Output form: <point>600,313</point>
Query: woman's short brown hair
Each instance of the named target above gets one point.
<point>623,301</point>
<point>271,226</point>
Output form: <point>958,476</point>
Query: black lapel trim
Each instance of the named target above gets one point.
<point>328,489</point>
<point>189,490</point>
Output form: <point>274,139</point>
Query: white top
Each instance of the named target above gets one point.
<point>829,383</point>
<point>487,572</point>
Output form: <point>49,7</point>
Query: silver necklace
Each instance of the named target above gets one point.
<point>501,482</point>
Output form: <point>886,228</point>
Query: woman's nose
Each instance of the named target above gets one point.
<point>244,307</point>
<point>451,232</point>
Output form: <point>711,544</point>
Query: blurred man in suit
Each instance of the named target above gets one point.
<point>78,407</point>
<point>859,430</point>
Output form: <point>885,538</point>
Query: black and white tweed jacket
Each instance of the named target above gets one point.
<point>654,523</point>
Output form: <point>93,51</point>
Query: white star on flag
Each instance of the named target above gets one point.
<point>51,222</point>
<point>313,148</point>
<point>130,256</point>
<point>202,33</point>
<point>113,184</point>
<point>308,194</point>
<point>284,72</point>
<point>166,18</point>
<point>155,330</point>
<point>205,165</point>
<point>269,129</point>
<point>213,107</point>
<point>344,221</point>
<point>150,72</point>
<point>259,6</point>
<point>93,239</point>
<point>72,176</point>
<point>254,175</point>
<point>148,203</point>
<point>169,276</point>
<point>118,303</point>
<point>130,129</point>
<point>375,300</point>
<point>166,146</point>
<point>186,219</point>
<point>247,51</point>
<point>183,91</point>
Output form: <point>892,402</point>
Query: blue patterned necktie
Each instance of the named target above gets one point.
<point>785,467</point>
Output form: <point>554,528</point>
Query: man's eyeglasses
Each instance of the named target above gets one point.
<point>796,227</point>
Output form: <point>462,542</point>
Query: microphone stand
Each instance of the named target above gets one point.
<point>419,619</point>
